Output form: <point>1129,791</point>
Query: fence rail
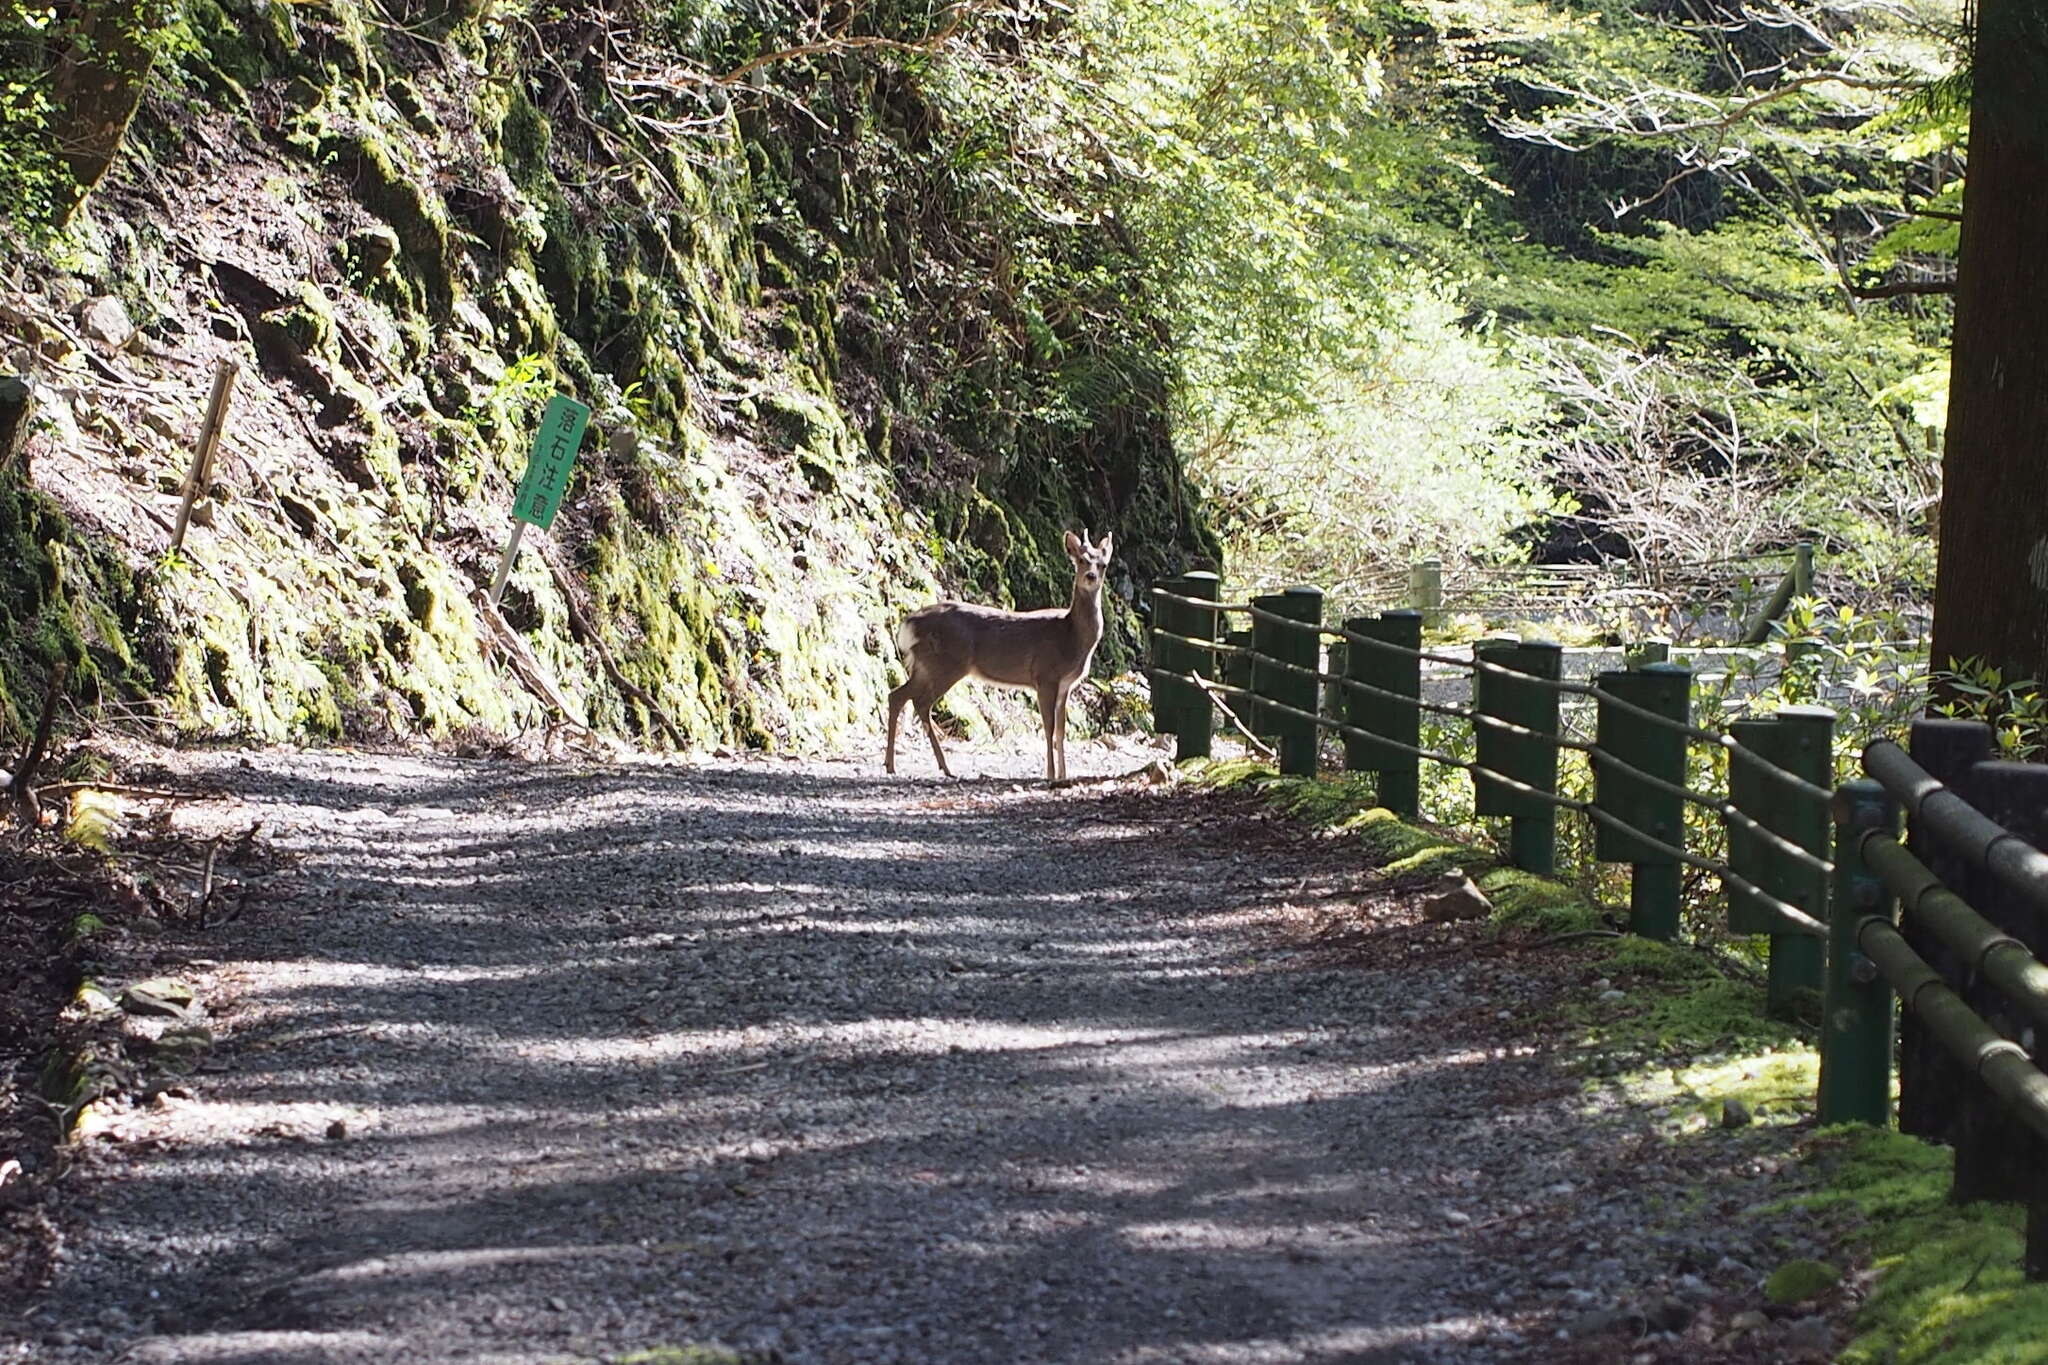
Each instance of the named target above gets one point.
<point>1746,591</point>
<point>1815,867</point>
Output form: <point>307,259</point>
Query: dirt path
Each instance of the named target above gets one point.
<point>547,1064</point>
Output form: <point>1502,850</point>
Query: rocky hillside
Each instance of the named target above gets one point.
<point>841,350</point>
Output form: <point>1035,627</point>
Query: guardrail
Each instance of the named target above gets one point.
<point>1952,922</point>
<point>1269,677</point>
<point>1288,675</point>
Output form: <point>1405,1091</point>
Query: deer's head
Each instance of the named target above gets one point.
<point>1089,560</point>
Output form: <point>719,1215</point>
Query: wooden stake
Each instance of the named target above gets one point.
<point>505,564</point>
<point>197,476</point>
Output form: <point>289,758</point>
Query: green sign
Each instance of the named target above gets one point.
<point>547,470</point>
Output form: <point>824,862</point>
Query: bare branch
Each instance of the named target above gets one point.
<point>1902,288</point>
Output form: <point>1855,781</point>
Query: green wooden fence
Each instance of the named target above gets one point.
<point>1816,869</point>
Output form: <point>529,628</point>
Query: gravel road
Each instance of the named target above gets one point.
<point>554,1063</point>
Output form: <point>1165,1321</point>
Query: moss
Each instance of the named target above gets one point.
<point>385,186</point>
<point>684,1355</point>
<point>1774,1086</point>
<point>66,600</point>
<point>1797,1281</point>
<point>1402,848</point>
<point>1646,958</point>
<point>1949,1288</point>
<point>1522,900</point>
<point>1699,1015</point>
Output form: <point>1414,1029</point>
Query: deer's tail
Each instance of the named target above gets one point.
<point>907,637</point>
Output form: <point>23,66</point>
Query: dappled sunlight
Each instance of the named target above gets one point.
<point>799,1075</point>
<point>874,1038</point>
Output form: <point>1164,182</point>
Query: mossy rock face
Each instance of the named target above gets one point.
<point>63,600</point>
<point>1798,1281</point>
<point>796,439</point>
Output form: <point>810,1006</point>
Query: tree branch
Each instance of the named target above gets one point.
<point>1902,288</point>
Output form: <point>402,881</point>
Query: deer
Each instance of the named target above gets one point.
<point>1046,651</point>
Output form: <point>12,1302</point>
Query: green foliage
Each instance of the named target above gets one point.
<point>1871,657</point>
<point>35,187</point>
<point>2015,709</point>
<point>1424,447</point>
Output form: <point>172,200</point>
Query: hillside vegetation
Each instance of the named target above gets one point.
<point>873,301</point>
<point>833,361</point>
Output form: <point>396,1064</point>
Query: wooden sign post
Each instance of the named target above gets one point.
<point>201,471</point>
<point>547,475</point>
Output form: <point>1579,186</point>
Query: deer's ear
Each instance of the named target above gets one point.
<point>1074,544</point>
<point>1106,545</point>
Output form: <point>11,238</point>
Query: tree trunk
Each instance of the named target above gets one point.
<point>99,84</point>
<point>1991,585</point>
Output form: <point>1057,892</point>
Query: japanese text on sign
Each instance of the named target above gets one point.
<point>547,470</point>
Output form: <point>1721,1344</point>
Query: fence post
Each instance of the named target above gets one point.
<point>1197,721</point>
<point>1303,649</point>
<point>1237,672</point>
<point>1856,1013</point>
<point>1426,590</point>
<point>1997,1155</point>
<point>1168,657</point>
<point>1400,773</point>
<point>1933,1092</point>
<point>1656,879</point>
<point>1528,759</point>
<point>1803,744</point>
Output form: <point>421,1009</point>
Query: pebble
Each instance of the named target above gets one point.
<point>1693,1288</point>
<point>1810,1335</point>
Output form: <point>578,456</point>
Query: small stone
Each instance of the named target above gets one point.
<point>1669,1315</point>
<point>337,1130</point>
<point>1734,1114</point>
<point>1456,898</point>
<point>371,249</point>
<point>105,319</point>
<point>161,995</point>
<point>1692,1288</point>
<point>1608,997</point>
<point>1601,1321</point>
<point>1810,1336</point>
<point>1748,1320</point>
<point>1457,1218</point>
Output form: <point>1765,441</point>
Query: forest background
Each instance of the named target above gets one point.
<point>1658,281</point>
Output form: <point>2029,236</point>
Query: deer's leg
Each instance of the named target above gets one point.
<point>1049,712</point>
<point>1065,694</point>
<point>932,675</point>
<point>896,700</point>
<point>924,713</point>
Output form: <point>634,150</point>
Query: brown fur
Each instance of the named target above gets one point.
<point>1046,651</point>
